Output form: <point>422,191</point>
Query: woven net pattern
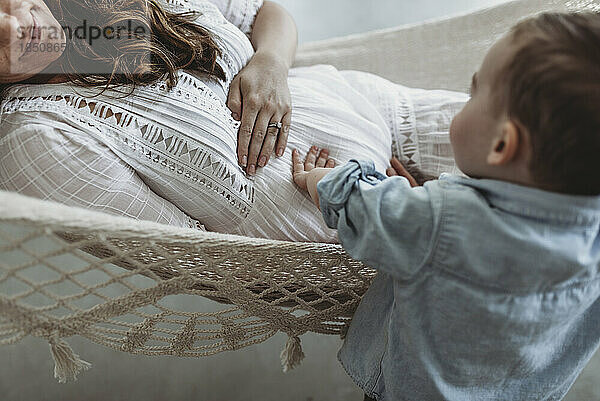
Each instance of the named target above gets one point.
<point>111,283</point>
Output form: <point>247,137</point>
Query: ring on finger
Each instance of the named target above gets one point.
<point>275,125</point>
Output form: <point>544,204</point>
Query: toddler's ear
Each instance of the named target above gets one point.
<point>505,147</point>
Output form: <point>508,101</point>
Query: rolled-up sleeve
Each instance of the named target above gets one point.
<point>381,221</point>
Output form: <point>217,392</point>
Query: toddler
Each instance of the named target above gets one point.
<point>487,285</point>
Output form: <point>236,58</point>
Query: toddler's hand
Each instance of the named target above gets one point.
<point>312,161</point>
<point>398,169</point>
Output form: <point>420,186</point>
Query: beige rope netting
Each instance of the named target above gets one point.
<point>68,271</point>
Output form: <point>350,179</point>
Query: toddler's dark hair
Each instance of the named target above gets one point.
<point>552,87</point>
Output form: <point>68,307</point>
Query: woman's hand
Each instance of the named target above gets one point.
<point>259,93</point>
<point>398,169</point>
<point>307,175</point>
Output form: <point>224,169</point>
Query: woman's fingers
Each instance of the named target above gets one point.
<point>391,172</point>
<point>330,163</point>
<point>234,99</point>
<point>269,142</point>
<point>322,159</point>
<point>403,172</point>
<point>284,132</point>
<point>245,132</point>
<point>257,140</point>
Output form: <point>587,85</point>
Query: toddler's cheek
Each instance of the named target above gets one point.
<point>459,126</point>
<point>457,134</point>
<point>454,126</point>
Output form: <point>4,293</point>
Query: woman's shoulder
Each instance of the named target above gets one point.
<point>209,12</point>
<point>231,29</point>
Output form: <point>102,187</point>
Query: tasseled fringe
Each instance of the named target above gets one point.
<point>292,354</point>
<point>67,364</point>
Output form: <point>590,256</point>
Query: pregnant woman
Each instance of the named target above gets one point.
<point>190,119</point>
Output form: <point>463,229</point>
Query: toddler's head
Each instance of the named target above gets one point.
<point>534,113</point>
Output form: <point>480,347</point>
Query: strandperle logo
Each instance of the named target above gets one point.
<point>89,33</point>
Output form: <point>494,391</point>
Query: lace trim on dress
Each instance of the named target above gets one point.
<point>187,88</point>
<point>195,224</point>
<point>404,138</point>
<point>169,151</point>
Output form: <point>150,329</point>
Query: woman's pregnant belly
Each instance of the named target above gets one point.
<point>182,147</point>
<point>329,113</point>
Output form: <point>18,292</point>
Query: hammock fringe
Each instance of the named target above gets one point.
<point>292,354</point>
<point>67,364</point>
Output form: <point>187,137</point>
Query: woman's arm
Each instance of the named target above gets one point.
<point>259,94</point>
<point>275,33</point>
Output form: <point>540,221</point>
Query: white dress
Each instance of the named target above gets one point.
<point>170,155</point>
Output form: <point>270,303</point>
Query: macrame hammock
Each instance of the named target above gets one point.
<point>68,271</point>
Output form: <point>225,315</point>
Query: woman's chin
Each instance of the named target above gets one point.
<point>30,68</point>
<point>11,78</point>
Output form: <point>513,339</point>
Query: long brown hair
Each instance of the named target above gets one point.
<point>552,86</point>
<point>170,41</point>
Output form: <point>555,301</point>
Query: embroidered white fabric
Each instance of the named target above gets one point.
<point>169,155</point>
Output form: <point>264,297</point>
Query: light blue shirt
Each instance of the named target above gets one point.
<point>486,290</point>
